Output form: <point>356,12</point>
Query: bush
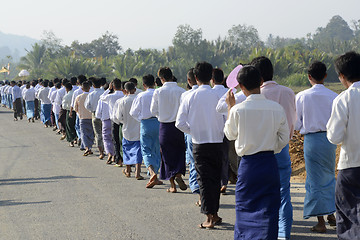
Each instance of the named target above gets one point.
<point>296,79</point>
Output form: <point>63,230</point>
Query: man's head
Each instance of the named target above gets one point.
<point>134,81</point>
<point>130,87</point>
<point>191,77</point>
<point>347,66</point>
<point>203,72</point>
<point>96,82</point>
<point>117,84</point>
<point>148,81</point>
<point>86,86</point>
<point>73,80</point>
<point>165,74</point>
<point>217,76</point>
<point>68,87</point>
<point>317,72</point>
<point>249,77</point>
<point>265,67</point>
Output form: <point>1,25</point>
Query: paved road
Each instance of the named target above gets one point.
<point>49,191</point>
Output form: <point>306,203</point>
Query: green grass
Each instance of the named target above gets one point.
<point>336,87</point>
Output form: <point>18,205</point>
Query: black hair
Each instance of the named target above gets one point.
<point>203,72</point>
<point>81,79</point>
<point>102,81</point>
<point>123,85</point>
<point>218,75</point>
<point>46,83</point>
<point>133,80</point>
<point>148,80</point>
<point>190,75</point>
<point>317,70</point>
<point>56,80</point>
<point>73,80</point>
<point>68,86</point>
<point>129,86</point>
<point>96,82</point>
<point>51,84</point>
<point>64,81</point>
<point>86,85</point>
<point>174,79</point>
<point>13,82</point>
<point>158,82</point>
<point>28,85</point>
<point>165,73</point>
<point>117,84</point>
<point>33,83</point>
<point>348,64</point>
<point>265,67</point>
<point>58,85</point>
<point>250,77</point>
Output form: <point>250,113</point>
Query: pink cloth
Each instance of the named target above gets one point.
<point>285,97</point>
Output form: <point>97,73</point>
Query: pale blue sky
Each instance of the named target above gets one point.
<point>153,23</point>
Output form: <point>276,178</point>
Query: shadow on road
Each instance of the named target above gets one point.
<point>40,179</point>
<point>14,203</point>
<point>6,112</point>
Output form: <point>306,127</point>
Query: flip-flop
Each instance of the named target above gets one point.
<point>198,203</point>
<point>140,178</point>
<point>201,226</point>
<point>169,191</point>
<point>150,184</point>
<point>181,183</point>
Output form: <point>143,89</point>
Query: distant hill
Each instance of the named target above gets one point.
<point>14,45</point>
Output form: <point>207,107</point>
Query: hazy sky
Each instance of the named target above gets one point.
<point>153,23</point>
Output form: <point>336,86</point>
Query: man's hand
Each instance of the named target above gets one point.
<point>230,98</point>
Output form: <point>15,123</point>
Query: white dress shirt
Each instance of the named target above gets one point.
<point>344,128</point>
<point>220,90</point>
<point>55,107</point>
<point>197,116</point>
<point>193,88</point>
<point>102,111</point>
<point>66,102</point>
<point>76,93</point>
<point>222,106</point>
<point>29,94</point>
<point>16,92</point>
<point>92,99</point>
<point>140,108</point>
<point>52,89</point>
<point>60,95</point>
<point>257,124</point>
<point>285,97</point>
<point>111,99</point>
<point>313,108</point>
<point>43,95</point>
<point>138,91</point>
<point>166,101</point>
<point>131,127</point>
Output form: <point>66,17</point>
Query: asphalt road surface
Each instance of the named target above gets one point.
<point>50,191</point>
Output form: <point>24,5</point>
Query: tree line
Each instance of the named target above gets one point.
<point>104,57</point>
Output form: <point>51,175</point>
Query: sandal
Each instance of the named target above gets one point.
<point>208,227</point>
<point>140,178</point>
<point>198,203</point>
<point>181,183</point>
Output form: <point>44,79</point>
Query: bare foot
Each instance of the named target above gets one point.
<point>171,190</point>
<point>318,228</point>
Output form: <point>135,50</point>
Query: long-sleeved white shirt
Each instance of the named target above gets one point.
<point>222,106</point>
<point>76,93</point>
<point>343,126</point>
<point>111,99</point>
<point>29,94</point>
<point>66,102</point>
<point>166,101</point>
<point>193,88</point>
<point>140,108</point>
<point>16,92</point>
<point>43,95</point>
<point>220,90</point>
<point>131,127</point>
<point>197,116</point>
<point>60,93</point>
<point>102,111</point>
<point>92,99</point>
<point>313,109</point>
<point>257,124</point>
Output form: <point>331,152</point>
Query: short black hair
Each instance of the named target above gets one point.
<point>133,80</point>
<point>64,81</point>
<point>190,75</point>
<point>51,84</point>
<point>81,79</point>
<point>203,71</point>
<point>348,64</point>
<point>86,85</point>
<point>158,82</point>
<point>96,82</point>
<point>148,80</point>
<point>250,77</point>
<point>103,81</point>
<point>73,80</point>
<point>165,73</point>
<point>123,85</point>
<point>129,86</point>
<point>33,83</point>
<point>218,75</point>
<point>117,84</point>
<point>265,67</point>
<point>46,83</point>
<point>68,86</point>
<point>58,85</point>
<point>317,70</point>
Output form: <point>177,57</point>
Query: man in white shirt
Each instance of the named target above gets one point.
<point>197,116</point>
<point>260,129</point>
<point>313,112</point>
<point>77,92</point>
<point>149,130</point>
<point>70,118</point>
<point>164,105</point>
<point>286,98</point>
<point>91,103</point>
<point>42,95</point>
<point>135,81</point>
<point>343,128</point>
<point>111,99</point>
<point>29,97</point>
<point>16,100</point>
<point>130,131</point>
<point>62,113</point>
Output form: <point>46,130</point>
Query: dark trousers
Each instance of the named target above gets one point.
<point>52,117</point>
<point>37,113</point>
<point>70,126</point>
<point>208,162</point>
<point>116,140</point>
<point>18,111</point>
<point>225,163</point>
<point>62,120</point>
